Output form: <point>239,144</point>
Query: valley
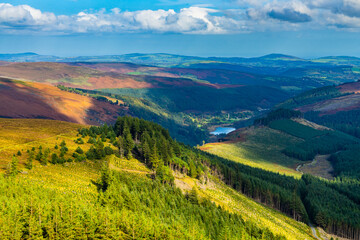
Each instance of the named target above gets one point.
<point>115,140</point>
<point>180,120</point>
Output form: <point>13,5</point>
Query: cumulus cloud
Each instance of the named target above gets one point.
<point>349,8</point>
<point>188,20</point>
<point>24,15</point>
<point>247,15</point>
<point>290,11</point>
<point>289,15</point>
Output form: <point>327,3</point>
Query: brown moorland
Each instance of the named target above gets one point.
<point>348,102</point>
<point>225,77</point>
<point>353,87</point>
<point>332,106</point>
<point>36,100</point>
<point>97,75</point>
<point>44,71</point>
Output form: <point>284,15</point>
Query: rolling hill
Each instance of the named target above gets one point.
<point>23,99</point>
<point>179,99</point>
<point>334,106</point>
<point>281,142</point>
<point>111,196</point>
<point>288,145</point>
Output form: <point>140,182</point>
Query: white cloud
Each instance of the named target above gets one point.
<point>188,20</point>
<point>24,15</point>
<point>249,15</point>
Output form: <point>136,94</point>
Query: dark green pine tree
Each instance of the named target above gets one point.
<point>128,143</point>
<point>54,158</point>
<point>119,143</point>
<point>39,155</point>
<point>44,159</point>
<point>29,160</point>
<point>146,151</point>
<point>135,129</point>
<point>99,149</point>
<point>12,169</point>
<point>154,157</point>
<point>106,177</point>
<point>193,171</point>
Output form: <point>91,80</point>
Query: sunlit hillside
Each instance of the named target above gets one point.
<point>37,100</point>
<point>75,186</point>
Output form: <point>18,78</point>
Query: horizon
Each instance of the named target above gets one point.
<point>175,54</point>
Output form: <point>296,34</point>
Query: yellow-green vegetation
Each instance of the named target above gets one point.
<point>24,134</point>
<point>66,201</point>
<point>70,178</point>
<point>87,200</point>
<point>80,81</point>
<point>249,209</point>
<point>124,165</point>
<point>121,186</point>
<point>261,149</point>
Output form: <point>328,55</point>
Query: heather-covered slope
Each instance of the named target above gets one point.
<point>22,99</point>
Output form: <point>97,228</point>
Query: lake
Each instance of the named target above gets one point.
<point>222,130</point>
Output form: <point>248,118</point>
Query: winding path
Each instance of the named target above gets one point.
<point>313,229</point>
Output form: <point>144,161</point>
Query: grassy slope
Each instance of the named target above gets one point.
<point>235,202</point>
<point>261,149</point>
<point>74,180</point>
<point>23,134</point>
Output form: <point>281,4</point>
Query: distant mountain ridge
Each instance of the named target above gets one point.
<point>167,58</point>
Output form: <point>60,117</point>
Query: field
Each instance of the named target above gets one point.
<point>261,149</point>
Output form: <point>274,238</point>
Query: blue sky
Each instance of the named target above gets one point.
<point>305,28</point>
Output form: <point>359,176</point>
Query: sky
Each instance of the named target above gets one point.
<point>244,28</point>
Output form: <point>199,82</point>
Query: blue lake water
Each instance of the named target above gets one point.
<point>222,130</point>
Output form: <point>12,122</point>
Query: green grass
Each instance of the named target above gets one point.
<point>262,149</point>
<point>137,73</point>
<point>78,81</point>
<point>356,70</point>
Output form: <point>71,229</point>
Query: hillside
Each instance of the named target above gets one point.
<point>94,76</point>
<point>129,205</point>
<point>36,100</point>
<point>258,147</point>
<point>178,99</point>
<point>181,92</point>
<point>327,100</point>
<point>334,106</point>
<point>281,142</point>
<point>285,144</point>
